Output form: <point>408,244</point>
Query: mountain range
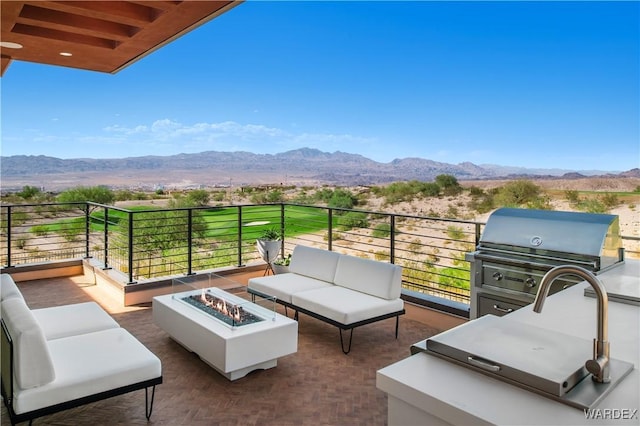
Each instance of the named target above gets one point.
<point>300,165</point>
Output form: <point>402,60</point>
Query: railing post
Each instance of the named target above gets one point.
<point>189,241</point>
<point>330,228</point>
<point>8,236</point>
<point>130,247</point>
<point>282,229</point>
<point>239,236</point>
<point>392,234</point>
<point>477,235</point>
<point>86,231</point>
<point>106,239</point>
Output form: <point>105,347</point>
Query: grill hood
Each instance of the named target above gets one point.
<point>582,234</point>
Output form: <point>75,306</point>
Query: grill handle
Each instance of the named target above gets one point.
<point>483,363</point>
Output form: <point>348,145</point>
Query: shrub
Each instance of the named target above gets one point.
<point>342,199</point>
<point>474,191</point>
<point>21,242</point>
<point>572,196</point>
<point>353,220</point>
<point>452,277</point>
<point>592,206</point>
<point>452,212</point>
<point>517,193</point>
<point>455,233</point>
<point>381,256</point>
<point>610,200</point>
<point>449,184</point>
<point>382,230</point>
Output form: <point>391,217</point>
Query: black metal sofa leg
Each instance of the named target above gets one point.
<point>148,408</point>
<point>342,341</point>
<point>397,322</point>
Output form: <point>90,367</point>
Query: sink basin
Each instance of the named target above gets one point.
<point>624,289</point>
<point>540,360</point>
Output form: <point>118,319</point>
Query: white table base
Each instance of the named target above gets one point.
<point>233,352</point>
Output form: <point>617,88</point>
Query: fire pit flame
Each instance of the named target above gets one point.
<point>220,305</point>
<point>221,309</point>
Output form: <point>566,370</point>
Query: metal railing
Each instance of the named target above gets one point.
<point>149,244</point>
<point>154,243</point>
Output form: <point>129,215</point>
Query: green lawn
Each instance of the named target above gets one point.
<point>222,222</point>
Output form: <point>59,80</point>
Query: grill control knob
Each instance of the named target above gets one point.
<point>530,282</point>
<point>497,276</point>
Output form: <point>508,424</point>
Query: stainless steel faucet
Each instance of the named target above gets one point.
<point>599,365</point>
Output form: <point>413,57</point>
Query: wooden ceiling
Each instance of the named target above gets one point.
<point>101,36</point>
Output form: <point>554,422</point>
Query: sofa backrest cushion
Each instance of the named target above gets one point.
<point>369,276</point>
<point>314,263</point>
<point>32,363</point>
<point>8,288</point>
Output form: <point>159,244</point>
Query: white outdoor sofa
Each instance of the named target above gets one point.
<point>342,290</point>
<point>61,357</point>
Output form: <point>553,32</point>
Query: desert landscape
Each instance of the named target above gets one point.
<point>625,188</point>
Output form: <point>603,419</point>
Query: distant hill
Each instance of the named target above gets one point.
<point>218,168</point>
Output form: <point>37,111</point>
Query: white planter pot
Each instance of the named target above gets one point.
<point>269,249</point>
<point>280,269</point>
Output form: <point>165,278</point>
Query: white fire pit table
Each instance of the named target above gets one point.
<point>249,336</point>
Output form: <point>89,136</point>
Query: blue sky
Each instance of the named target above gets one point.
<point>533,84</point>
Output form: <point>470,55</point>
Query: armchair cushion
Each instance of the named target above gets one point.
<point>314,263</point>
<point>71,320</point>
<point>8,288</point>
<point>33,364</point>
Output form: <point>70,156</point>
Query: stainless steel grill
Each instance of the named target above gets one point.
<point>519,246</point>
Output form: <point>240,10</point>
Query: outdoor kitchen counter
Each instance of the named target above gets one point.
<point>424,389</point>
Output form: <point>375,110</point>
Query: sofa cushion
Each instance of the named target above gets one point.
<point>33,364</point>
<point>8,288</point>
<point>282,286</point>
<point>369,276</point>
<point>71,320</point>
<point>344,305</point>
<point>314,263</point>
<point>91,363</point>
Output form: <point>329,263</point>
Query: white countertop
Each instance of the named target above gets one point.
<point>458,395</point>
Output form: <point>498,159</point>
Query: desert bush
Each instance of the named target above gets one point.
<point>474,191</point>
<point>415,246</point>
<point>610,200</point>
<point>455,233</point>
<point>592,206</point>
<point>430,189</point>
<point>382,256</point>
<point>342,199</point>
<point>453,277</point>
<point>382,230</point>
<point>542,203</point>
<point>264,197</point>
<point>28,192</point>
<point>21,242</point>
<point>449,184</point>
<point>517,193</point>
<point>352,220</point>
<point>453,212</point>
<point>572,196</point>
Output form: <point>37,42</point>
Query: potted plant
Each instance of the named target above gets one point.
<point>281,264</point>
<point>269,244</point>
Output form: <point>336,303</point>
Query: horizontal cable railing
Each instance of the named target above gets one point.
<point>148,244</point>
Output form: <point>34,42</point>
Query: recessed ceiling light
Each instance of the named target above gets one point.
<point>66,54</point>
<point>10,45</point>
